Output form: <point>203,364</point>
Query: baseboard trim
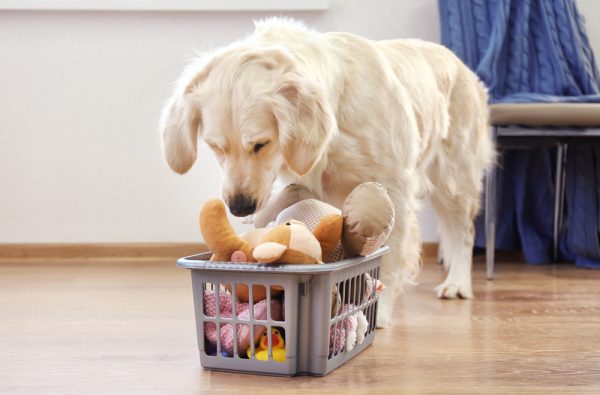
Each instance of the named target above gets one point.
<point>429,251</point>
<point>98,250</point>
<point>121,250</point>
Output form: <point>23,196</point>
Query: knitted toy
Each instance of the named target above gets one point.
<point>243,312</point>
<point>368,217</point>
<point>355,326</point>
<point>290,242</point>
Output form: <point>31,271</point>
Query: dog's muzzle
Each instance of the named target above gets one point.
<point>241,206</point>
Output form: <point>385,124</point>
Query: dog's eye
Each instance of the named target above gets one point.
<point>259,146</point>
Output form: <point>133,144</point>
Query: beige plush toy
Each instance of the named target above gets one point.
<point>369,217</point>
<point>291,242</point>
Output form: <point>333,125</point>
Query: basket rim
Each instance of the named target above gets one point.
<point>201,262</point>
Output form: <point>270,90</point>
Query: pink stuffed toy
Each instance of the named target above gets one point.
<point>355,326</point>
<point>243,313</point>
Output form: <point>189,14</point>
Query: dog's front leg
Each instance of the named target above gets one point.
<point>402,264</point>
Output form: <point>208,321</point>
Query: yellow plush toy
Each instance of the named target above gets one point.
<point>291,242</point>
<point>261,353</point>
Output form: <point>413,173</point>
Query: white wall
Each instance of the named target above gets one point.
<point>80,95</point>
<point>590,9</point>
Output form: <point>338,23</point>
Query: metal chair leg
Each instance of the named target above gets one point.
<point>557,184</point>
<point>559,196</point>
<point>490,216</point>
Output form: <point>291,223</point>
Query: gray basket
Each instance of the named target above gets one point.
<point>314,325</point>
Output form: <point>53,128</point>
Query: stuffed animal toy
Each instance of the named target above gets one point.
<point>355,326</point>
<point>336,301</point>
<point>243,312</point>
<point>261,352</point>
<point>368,217</point>
<point>365,288</point>
<point>371,284</point>
<point>310,212</point>
<point>219,235</point>
<point>290,242</point>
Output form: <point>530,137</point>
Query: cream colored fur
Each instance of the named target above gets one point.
<point>336,110</point>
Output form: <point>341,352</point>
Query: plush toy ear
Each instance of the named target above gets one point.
<point>269,252</point>
<point>329,233</point>
<point>305,119</point>
<point>273,245</point>
<point>219,235</point>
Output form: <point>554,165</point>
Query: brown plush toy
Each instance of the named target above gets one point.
<point>219,235</point>
<point>290,242</point>
<point>294,243</point>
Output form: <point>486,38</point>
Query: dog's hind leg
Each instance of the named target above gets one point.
<point>457,175</point>
<point>455,221</point>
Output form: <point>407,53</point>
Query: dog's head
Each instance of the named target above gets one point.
<point>258,114</point>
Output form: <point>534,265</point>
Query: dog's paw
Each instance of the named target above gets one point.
<point>450,289</point>
<point>384,321</point>
<point>385,318</point>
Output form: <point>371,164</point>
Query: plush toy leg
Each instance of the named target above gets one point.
<point>269,252</point>
<point>219,235</point>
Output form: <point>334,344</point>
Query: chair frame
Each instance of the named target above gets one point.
<point>528,137</point>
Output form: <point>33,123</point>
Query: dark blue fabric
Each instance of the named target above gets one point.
<point>580,240</point>
<point>534,51</point>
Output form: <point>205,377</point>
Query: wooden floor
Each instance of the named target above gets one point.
<point>127,327</point>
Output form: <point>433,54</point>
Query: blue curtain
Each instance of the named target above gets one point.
<point>534,51</point>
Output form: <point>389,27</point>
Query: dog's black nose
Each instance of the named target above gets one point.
<point>241,206</point>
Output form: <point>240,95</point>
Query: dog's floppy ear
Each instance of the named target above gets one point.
<point>181,120</point>
<point>305,119</point>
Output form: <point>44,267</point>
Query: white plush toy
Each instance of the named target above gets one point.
<point>356,326</point>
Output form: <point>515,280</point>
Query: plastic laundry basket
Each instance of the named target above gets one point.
<point>314,309</point>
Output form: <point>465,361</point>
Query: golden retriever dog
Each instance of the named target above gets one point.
<point>330,111</point>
